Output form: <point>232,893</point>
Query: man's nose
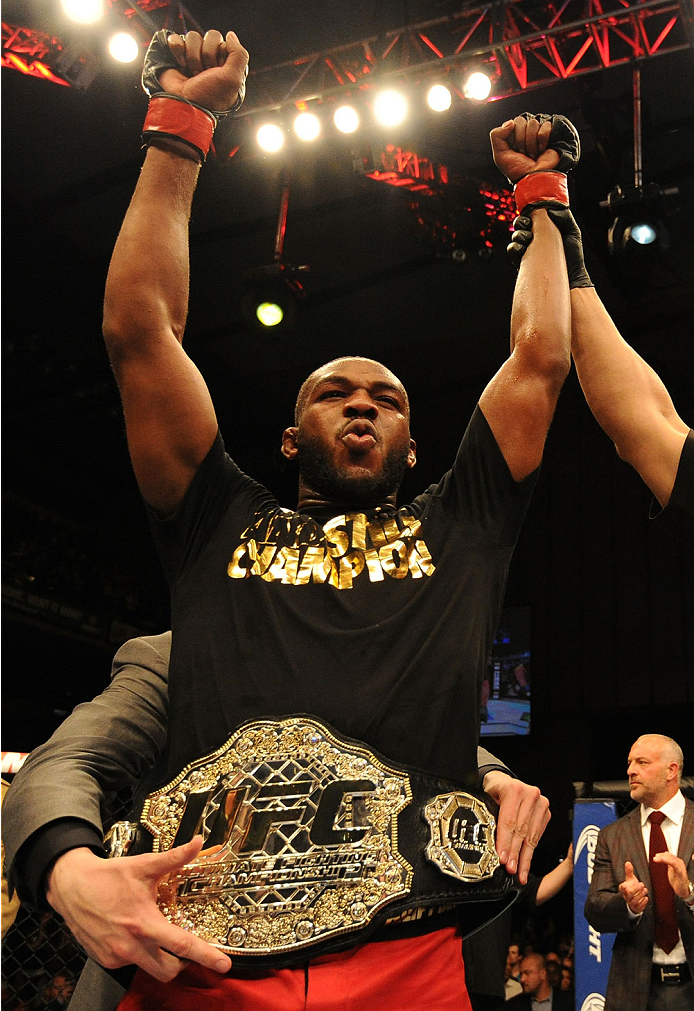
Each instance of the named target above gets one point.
<point>360,404</point>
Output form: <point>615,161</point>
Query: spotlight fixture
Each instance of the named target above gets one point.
<point>346,119</point>
<point>307,126</point>
<point>439,98</point>
<point>637,236</point>
<point>477,86</point>
<point>83,12</point>
<point>270,138</point>
<point>390,107</point>
<point>123,47</point>
<point>272,297</point>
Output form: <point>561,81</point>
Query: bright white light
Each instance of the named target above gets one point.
<point>84,12</point>
<point>439,98</point>
<point>346,119</point>
<point>123,48</point>
<point>477,86</point>
<point>390,108</point>
<point>307,126</point>
<point>270,138</point>
<point>269,313</point>
<point>643,233</point>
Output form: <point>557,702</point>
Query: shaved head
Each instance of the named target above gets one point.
<point>334,366</point>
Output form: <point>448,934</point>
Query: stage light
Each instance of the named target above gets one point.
<point>270,138</point>
<point>272,297</point>
<point>637,242</point>
<point>390,107</point>
<point>643,233</point>
<point>307,126</point>
<point>439,98</point>
<point>84,12</point>
<point>123,47</point>
<point>346,119</point>
<point>269,313</point>
<point>477,86</point>
<point>638,236</point>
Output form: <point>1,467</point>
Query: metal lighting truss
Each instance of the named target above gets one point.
<point>74,61</point>
<point>522,44</point>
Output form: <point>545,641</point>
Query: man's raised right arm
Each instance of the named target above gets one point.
<point>169,416</point>
<point>628,399</point>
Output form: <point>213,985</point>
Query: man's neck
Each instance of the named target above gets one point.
<point>660,802</point>
<point>312,502</point>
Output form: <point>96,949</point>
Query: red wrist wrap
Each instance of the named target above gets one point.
<point>541,188</point>
<point>169,117</point>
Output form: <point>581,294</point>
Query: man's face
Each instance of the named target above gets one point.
<point>531,976</point>
<point>553,964</point>
<point>652,774</point>
<point>353,440</point>
<point>513,954</point>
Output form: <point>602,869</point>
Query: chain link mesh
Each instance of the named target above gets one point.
<point>41,961</point>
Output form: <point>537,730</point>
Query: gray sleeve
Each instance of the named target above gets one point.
<point>486,762</point>
<point>103,746</point>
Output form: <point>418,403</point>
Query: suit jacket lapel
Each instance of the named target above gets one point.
<point>686,847</point>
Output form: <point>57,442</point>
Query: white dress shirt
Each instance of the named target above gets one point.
<point>672,829</point>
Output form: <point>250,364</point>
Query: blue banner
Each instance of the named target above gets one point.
<point>593,949</point>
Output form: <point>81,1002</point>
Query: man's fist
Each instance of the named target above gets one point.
<point>520,146</point>
<point>209,72</point>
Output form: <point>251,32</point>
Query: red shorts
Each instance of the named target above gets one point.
<point>416,972</point>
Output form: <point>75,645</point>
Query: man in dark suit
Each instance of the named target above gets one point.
<point>646,896</point>
<point>538,994</point>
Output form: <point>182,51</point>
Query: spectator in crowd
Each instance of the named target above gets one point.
<point>488,978</point>
<point>537,989</point>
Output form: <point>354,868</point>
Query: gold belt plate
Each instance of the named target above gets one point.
<point>461,836</point>
<point>300,838</point>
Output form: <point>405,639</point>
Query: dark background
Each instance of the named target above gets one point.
<point>611,592</point>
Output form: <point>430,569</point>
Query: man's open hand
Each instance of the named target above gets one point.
<point>633,891</point>
<point>523,816</point>
<point>676,872</point>
<point>110,907</point>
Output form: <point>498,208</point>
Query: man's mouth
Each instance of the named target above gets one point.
<point>359,435</point>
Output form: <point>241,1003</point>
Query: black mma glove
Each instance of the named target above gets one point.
<point>173,116</point>
<point>573,247</point>
<point>549,188</point>
<point>520,240</point>
<point>571,236</point>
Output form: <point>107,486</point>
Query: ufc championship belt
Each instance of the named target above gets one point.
<point>312,841</point>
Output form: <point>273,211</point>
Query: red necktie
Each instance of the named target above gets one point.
<point>666,930</point>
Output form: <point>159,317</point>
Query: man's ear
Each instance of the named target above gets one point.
<point>290,448</point>
<point>412,454</point>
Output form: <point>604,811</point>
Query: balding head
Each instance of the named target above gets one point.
<point>654,769</point>
<point>533,976</point>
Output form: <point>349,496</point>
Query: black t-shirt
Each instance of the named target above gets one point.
<point>379,623</point>
<point>681,501</point>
